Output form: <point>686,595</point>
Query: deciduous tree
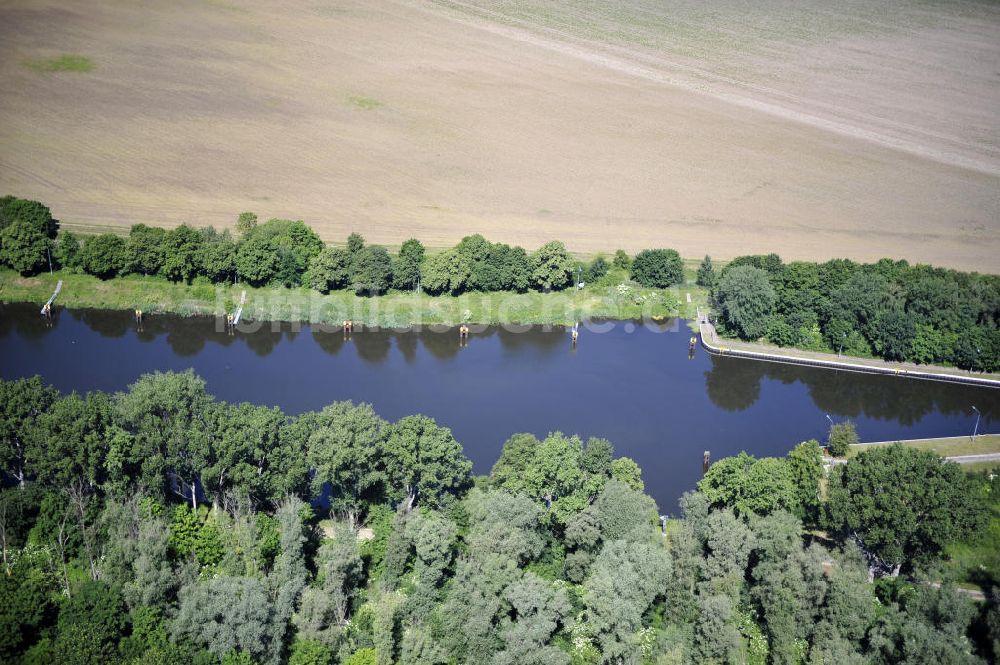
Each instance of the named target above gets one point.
<point>406,267</point>
<point>746,298</point>
<point>841,437</point>
<point>751,486</point>
<point>551,266</point>
<point>103,255</point>
<point>223,614</point>
<point>371,270</point>
<point>144,249</point>
<point>658,268</point>
<point>24,248</point>
<point>537,610</point>
<point>182,253</point>
<point>423,461</point>
<point>169,418</point>
<point>22,403</point>
<point>897,522</point>
<point>344,452</point>
<point>34,213</point>
<point>706,273</point>
<point>624,580</point>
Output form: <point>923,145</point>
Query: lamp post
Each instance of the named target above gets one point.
<point>975,430</point>
<point>830,419</point>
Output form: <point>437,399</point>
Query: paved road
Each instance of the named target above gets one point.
<point>972,459</point>
<point>961,459</point>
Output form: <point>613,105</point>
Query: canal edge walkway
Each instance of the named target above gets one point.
<point>958,459</point>
<point>711,343</point>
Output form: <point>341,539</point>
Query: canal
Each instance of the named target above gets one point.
<point>635,385</point>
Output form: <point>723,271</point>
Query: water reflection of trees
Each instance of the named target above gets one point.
<point>263,341</point>
<point>186,336</point>
<point>407,345</point>
<point>104,322</point>
<point>443,345</point>
<point>372,345</point>
<point>26,321</point>
<point>734,385</point>
<point>535,339</point>
<point>329,340</point>
<point>893,398</point>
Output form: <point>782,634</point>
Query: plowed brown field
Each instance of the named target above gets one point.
<point>864,130</point>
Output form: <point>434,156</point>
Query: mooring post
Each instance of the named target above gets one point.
<point>706,461</point>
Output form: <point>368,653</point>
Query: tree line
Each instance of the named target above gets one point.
<point>159,525</point>
<point>889,309</point>
<point>289,253</point>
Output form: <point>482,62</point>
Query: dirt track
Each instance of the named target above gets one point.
<point>404,118</point>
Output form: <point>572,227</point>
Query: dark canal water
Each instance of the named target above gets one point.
<point>633,384</point>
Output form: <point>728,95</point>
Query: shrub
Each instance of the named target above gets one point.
<point>781,333</point>
<point>597,269</point>
<point>658,268</point>
<point>841,437</point>
<point>621,260</point>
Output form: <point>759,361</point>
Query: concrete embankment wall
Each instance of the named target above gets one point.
<point>722,350</point>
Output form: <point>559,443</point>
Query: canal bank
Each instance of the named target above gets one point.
<point>964,449</point>
<point>716,345</point>
<point>396,309</point>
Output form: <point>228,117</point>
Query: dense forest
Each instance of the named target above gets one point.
<point>887,309</point>
<point>159,525</point>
